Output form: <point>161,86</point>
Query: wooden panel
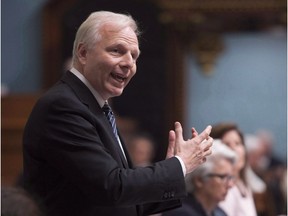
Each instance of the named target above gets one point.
<point>15,110</point>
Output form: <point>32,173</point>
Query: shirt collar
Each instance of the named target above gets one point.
<point>80,76</point>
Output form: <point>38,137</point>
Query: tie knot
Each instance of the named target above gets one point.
<point>106,109</point>
<point>109,114</point>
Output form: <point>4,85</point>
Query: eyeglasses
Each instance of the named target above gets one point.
<point>224,177</point>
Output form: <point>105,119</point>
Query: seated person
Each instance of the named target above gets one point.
<point>208,184</point>
<point>141,148</point>
<point>16,201</point>
<point>239,200</point>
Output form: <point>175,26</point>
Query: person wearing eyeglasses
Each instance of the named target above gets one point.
<point>208,184</point>
<point>239,200</point>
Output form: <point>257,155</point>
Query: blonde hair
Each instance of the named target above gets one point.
<point>89,31</point>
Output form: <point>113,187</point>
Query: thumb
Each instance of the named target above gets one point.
<point>178,131</point>
<point>171,145</point>
<point>179,136</point>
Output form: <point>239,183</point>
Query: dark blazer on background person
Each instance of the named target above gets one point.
<point>74,161</point>
<point>192,207</point>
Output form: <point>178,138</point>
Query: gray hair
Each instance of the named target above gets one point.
<point>89,31</point>
<point>252,143</point>
<point>219,151</point>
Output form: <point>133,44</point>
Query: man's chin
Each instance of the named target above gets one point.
<point>116,93</point>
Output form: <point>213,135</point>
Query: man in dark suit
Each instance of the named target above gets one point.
<point>74,158</point>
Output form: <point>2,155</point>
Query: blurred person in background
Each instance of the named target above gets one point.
<point>16,201</point>
<point>208,184</point>
<point>141,147</point>
<point>269,167</point>
<point>268,160</point>
<point>261,192</point>
<point>254,151</point>
<point>284,188</point>
<point>239,200</point>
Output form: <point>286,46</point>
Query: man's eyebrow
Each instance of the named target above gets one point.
<point>116,44</point>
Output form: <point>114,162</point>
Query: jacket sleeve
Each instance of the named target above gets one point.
<point>154,208</point>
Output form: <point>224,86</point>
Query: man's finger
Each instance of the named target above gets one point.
<point>208,152</point>
<point>204,135</point>
<point>171,145</point>
<point>178,136</point>
<point>194,132</point>
<point>208,143</point>
<point>178,131</point>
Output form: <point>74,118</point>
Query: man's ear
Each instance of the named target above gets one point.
<point>82,53</point>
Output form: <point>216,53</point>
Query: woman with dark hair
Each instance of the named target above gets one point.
<point>239,200</point>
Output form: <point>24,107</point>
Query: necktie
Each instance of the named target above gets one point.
<point>110,116</point>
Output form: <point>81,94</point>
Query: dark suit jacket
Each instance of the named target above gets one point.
<point>72,160</point>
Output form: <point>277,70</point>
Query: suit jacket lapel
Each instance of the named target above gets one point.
<point>128,161</point>
<point>86,97</point>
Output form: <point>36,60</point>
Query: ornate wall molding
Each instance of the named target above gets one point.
<point>222,4</point>
<point>206,48</point>
<point>233,14</point>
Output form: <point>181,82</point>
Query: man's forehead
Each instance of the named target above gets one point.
<point>115,28</point>
<point>110,31</point>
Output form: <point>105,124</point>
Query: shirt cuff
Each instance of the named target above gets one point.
<point>182,164</point>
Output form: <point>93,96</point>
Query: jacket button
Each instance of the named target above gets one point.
<point>165,196</point>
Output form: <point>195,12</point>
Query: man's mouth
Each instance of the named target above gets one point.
<point>118,77</point>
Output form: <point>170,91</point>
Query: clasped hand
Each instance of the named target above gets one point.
<point>194,151</point>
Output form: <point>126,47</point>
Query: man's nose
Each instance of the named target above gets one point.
<point>127,61</point>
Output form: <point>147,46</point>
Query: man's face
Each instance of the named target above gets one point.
<point>111,63</point>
